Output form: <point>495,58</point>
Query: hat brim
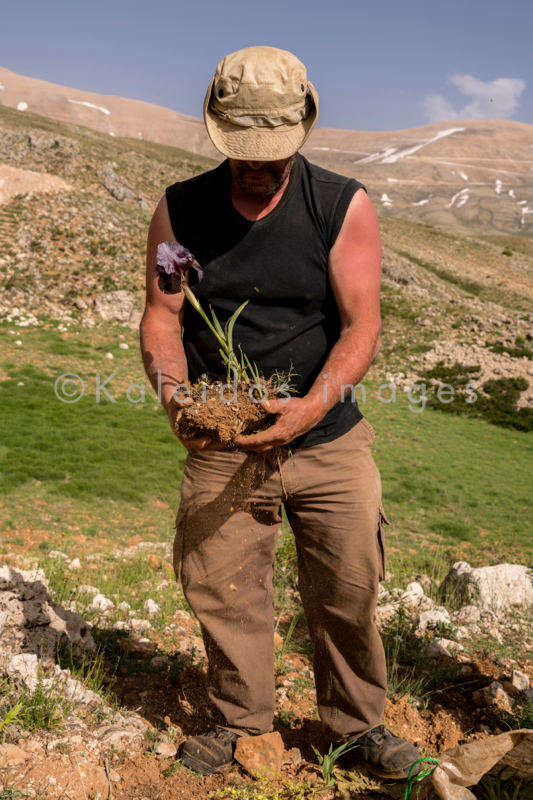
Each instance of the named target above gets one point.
<point>258,144</point>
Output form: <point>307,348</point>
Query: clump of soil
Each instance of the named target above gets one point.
<point>224,412</point>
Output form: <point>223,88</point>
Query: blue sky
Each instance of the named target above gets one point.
<point>377,64</point>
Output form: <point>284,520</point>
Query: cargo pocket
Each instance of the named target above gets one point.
<point>178,546</point>
<point>368,427</point>
<point>382,551</point>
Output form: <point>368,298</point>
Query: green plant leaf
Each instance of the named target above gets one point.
<point>231,322</point>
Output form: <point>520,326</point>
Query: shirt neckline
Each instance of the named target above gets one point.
<point>294,180</point>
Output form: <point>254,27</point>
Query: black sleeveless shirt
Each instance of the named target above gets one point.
<point>280,265</point>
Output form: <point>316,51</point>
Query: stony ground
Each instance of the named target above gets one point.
<point>459,672</point>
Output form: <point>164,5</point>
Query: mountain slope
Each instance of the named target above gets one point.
<point>117,116</point>
<point>468,176</point>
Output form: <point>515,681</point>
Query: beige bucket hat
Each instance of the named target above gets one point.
<point>260,105</point>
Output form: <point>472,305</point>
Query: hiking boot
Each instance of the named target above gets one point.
<point>383,754</point>
<point>211,752</point>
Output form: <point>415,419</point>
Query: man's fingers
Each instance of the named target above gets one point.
<point>273,406</point>
<point>264,440</point>
<point>262,449</point>
<point>181,401</point>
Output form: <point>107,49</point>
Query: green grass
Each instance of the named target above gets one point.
<point>452,483</point>
<point>467,286</point>
<point>119,451</point>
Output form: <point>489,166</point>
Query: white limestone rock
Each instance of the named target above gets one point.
<point>497,588</point>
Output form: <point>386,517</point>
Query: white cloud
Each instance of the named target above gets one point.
<point>437,109</point>
<point>490,99</point>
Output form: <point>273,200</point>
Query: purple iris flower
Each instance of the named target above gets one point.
<point>173,261</point>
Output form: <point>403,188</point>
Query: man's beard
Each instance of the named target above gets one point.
<point>263,182</point>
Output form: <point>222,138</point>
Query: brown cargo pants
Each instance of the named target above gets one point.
<point>223,553</point>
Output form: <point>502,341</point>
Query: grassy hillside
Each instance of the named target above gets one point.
<point>110,472</point>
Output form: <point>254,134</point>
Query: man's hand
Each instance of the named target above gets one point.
<point>293,418</point>
<point>173,406</point>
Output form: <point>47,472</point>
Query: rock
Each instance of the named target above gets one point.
<point>118,306</point>
<point>123,346</point>
<point>118,737</point>
<point>385,613</point>
<point>117,186</point>
<point>468,614</point>
<point>520,680</point>
<point>100,603</point>
<point>160,661</point>
<point>12,756</point>
<point>495,634</point>
<point>31,624</point>
<point>190,645</point>
<point>86,588</point>
<point>413,595</point>
<point>135,722</point>
<point>151,607</point>
<point>488,618</point>
<point>429,620</point>
<point>260,753</point>
<point>511,690</point>
<point>292,757</point>
<point>424,580</point>
<point>166,749</point>
<point>142,650</point>
<point>140,625</point>
<point>480,728</point>
<point>114,777</point>
<point>75,725</point>
<point>72,689</point>
<point>497,588</point>
<point>450,645</point>
<point>79,303</point>
<point>435,650</point>
<point>383,593</point>
<point>25,669</point>
<point>462,632</point>
<point>493,696</point>
<point>75,564</point>
<point>123,606</point>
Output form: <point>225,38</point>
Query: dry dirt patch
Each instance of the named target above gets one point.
<point>15,181</point>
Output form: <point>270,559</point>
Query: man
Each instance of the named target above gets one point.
<point>302,246</point>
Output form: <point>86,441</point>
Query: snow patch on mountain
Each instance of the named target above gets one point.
<point>90,105</point>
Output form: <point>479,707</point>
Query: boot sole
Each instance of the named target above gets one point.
<point>199,766</point>
<point>399,775</point>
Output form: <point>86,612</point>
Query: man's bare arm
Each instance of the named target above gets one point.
<point>161,346</point>
<point>161,326</point>
<point>355,274</point>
